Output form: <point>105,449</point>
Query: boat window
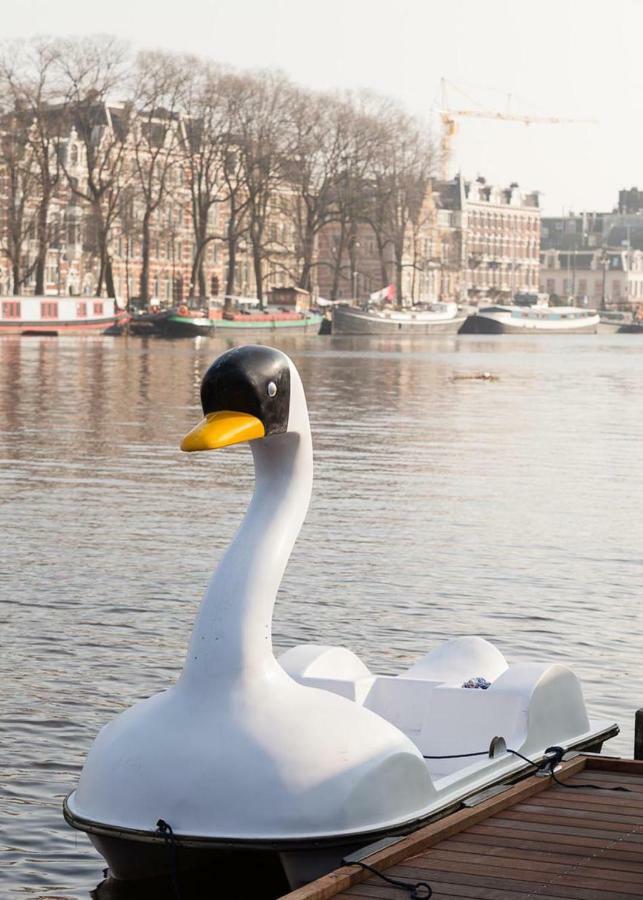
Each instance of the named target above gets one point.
<point>49,310</point>
<point>81,310</point>
<point>11,309</point>
<point>98,308</point>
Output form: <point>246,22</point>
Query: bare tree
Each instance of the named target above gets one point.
<point>147,142</point>
<point>399,181</point>
<point>352,186</point>
<point>160,79</point>
<point>260,125</point>
<point>206,142</point>
<point>19,169</point>
<point>319,145</point>
<point>93,71</point>
<point>28,72</point>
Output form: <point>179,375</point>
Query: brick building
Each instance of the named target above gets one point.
<point>353,266</point>
<point>496,233</point>
<point>73,259</point>
<point>594,277</point>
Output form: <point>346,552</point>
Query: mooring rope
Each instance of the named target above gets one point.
<point>418,890</point>
<point>553,756</point>
<point>165,829</point>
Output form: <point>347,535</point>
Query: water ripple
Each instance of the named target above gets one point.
<point>442,507</point>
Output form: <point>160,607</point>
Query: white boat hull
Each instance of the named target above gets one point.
<point>530,706</point>
<point>133,855</point>
<point>531,321</point>
<point>349,320</point>
<point>309,756</point>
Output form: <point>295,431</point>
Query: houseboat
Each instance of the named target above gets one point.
<point>289,308</point>
<point>243,322</point>
<point>185,322</point>
<point>436,318</point>
<point>536,319</point>
<point>59,315</point>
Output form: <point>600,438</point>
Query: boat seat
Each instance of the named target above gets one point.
<point>334,669</point>
<point>459,660</point>
<point>531,705</point>
<point>401,700</point>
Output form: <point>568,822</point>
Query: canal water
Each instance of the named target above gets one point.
<point>443,506</point>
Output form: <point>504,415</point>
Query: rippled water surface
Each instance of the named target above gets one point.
<point>442,506</point>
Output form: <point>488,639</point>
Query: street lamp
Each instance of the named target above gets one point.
<point>355,247</point>
<point>605,261</point>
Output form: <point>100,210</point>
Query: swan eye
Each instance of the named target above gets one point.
<point>272,389</point>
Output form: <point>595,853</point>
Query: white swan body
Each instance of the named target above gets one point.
<point>247,749</point>
<point>237,748</point>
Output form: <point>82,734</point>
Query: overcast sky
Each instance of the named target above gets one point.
<point>572,58</point>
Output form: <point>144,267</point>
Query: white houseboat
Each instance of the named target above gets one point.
<point>537,319</point>
<point>59,315</point>
<point>436,318</point>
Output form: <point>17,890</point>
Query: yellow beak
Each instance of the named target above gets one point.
<point>220,429</point>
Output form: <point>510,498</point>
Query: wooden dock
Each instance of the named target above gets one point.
<point>533,839</point>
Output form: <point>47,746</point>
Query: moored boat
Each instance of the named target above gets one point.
<point>184,322</point>
<point>306,756</point>
<point>59,315</point>
<point>438,318</point>
<point>612,320</point>
<point>243,319</point>
<point>536,319</point>
<point>268,319</point>
<point>290,309</point>
<point>148,323</point>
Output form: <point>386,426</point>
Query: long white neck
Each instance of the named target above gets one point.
<point>232,635</point>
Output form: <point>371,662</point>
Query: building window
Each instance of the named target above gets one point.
<point>81,310</point>
<point>551,286</point>
<point>98,307</point>
<point>49,310</point>
<point>11,309</point>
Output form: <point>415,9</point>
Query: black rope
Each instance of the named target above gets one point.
<point>553,756</point>
<point>165,829</point>
<point>419,890</point>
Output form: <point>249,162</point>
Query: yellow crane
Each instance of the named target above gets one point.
<point>449,116</point>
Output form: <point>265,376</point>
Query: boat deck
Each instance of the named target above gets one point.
<point>532,839</point>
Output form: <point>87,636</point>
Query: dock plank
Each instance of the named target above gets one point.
<point>535,839</point>
<point>605,862</point>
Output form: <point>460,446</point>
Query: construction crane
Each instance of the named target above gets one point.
<point>449,116</point>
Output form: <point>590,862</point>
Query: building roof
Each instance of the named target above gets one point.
<point>625,237</point>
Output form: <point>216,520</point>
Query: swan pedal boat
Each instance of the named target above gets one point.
<point>310,756</point>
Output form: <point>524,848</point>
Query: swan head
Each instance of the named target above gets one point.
<point>247,394</point>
